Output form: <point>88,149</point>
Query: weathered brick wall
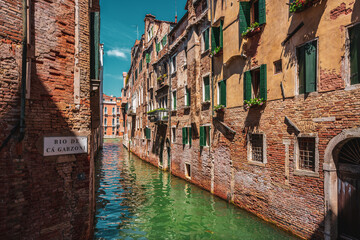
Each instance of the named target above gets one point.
<point>45,197</point>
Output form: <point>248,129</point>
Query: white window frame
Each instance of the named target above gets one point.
<point>186,96</point>
<point>172,100</point>
<point>203,87</point>
<point>172,65</point>
<point>203,40</point>
<point>207,134</point>
<point>173,134</point>
<point>347,61</point>
<point>249,149</point>
<point>302,172</point>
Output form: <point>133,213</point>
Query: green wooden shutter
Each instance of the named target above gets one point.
<point>207,88</point>
<point>174,100</point>
<point>221,34</point>
<point>157,47</point>
<point>147,58</point>
<point>223,93</point>
<point>355,54</point>
<point>164,40</point>
<point>262,12</point>
<point>310,67</point>
<point>209,128</point>
<point>190,135</point>
<point>263,82</point>
<point>183,135</point>
<point>215,31</point>
<point>247,85</point>
<point>206,39</point>
<point>202,134</point>
<point>244,16</point>
<point>301,62</point>
<point>188,97</point>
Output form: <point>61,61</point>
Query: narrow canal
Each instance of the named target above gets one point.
<point>135,200</point>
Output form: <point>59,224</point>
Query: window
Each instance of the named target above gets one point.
<point>148,133</point>
<point>217,36</point>
<point>105,129</point>
<point>113,110</point>
<point>251,12</point>
<point>256,147</point>
<point>354,35</point>
<point>187,96</point>
<point>150,33</point>
<point>173,132</point>
<point>206,89</point>
<point>306,157</point>
<point>278,66</point>
<point>174,100</point>
<point>255,83</point>
<point>105,122</point>
<point>113,122</point>
<point>140,66</point>
<point>148,57</point>
<point>106,110</point>
<point>187,170</point>
<point>164,41</point>
<point>204,136</point>
<point>173,64</point>
<point>185,56</point>
<point>222,93</point>
<point>186,135</point>
<point>118,110</point>
<point>205,40</point>
<point>136,74</point>
<point>307,62</point>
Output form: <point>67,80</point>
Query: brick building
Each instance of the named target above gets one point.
<point>113,117</point>
<point>50,124</point>
<point>257,102</point>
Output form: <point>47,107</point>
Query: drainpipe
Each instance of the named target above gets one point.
<point>23,72</point>
<point>212,64</point>
<point>170,96</point>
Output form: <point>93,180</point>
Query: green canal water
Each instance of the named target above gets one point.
<point>135,200</point>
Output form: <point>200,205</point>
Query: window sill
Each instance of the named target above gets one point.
<point>205,102</point>
<point>352,87</point>
<point>186,107</point>
<point>298,172</point>
<point>260,164</point>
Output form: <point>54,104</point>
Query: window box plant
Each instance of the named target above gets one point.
<point>252,30</point>
<point>217,51</point>
<point>252,103</point>
<point>300,5</point>
<point>219,108</point>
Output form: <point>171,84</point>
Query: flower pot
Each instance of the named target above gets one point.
<point>253,32</point>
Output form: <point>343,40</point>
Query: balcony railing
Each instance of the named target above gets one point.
<point>158,115</point>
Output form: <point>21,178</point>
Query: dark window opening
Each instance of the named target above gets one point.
<point>255,83</point>
<point>255,11</point>
<point>187,170</point>
<point>257,147</point>
<point>278,66</point>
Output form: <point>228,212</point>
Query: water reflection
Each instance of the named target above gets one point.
<point>138,201</point>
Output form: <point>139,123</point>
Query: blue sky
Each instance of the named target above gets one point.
<point>119,19</point>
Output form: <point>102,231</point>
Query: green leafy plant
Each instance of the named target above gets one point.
<point>299,5</point>
<point>165,118</point>
<point>159,79</point>
<point>250,29</point>
<point>219,107</point>
<point>216,51</point>
<point>156,110</point>
<point>253,102</point>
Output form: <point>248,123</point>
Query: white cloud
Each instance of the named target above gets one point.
<point>120,53</point>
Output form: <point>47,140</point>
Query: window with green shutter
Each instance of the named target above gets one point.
<point>141,65</point>
<point>255,83</point>
<point>244,16</point>
<point>164,40</point>
<point>307,67</point>
<point>205,37</point>
<point>136,74</point>
<point>157,47</point>
<point>222,93</point>
<point>206,90</point>
<point>251,12</point>
<point>187,135</point>
<point>217,36</point>
<point>354,35</point>
<point>187,96</point>
<point>174,100</point>
<point>204,136</point>
<point>148,58</point>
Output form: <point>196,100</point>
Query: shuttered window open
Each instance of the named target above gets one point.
<point>222,93</point>
<point>147,58</point>
<point>307,61</point>
<point>206,39</point>
<point>262,12</point>
<point>263,82</point>
<point>244,16</point>
<point>247,85</point>
<point>202,136</point>
<point>354,34</point>
<point>206,88</point>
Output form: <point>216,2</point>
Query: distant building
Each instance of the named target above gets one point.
<point>112,120</point>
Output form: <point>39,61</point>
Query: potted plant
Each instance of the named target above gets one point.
<point>252,30</point>
<point>217,51</point>
<point>300,5</point>
<point>255,102</point>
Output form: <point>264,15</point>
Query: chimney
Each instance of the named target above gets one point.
<point>175,18</point>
